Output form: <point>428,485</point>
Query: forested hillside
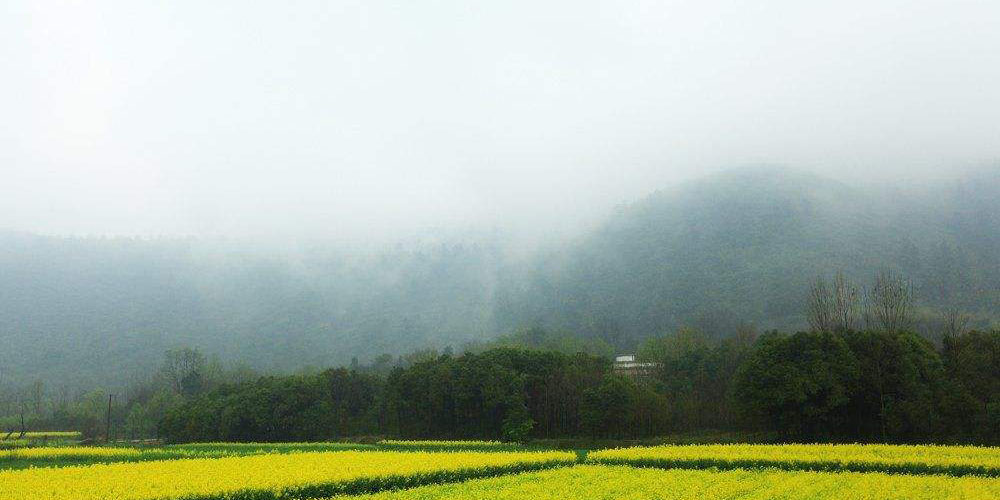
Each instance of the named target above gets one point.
<point>743,247</point>
<point>725,251</point>
<point>84,311</point>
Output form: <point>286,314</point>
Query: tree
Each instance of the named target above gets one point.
<point>821,307</point>
<point>845,304</point>
<point>972,360</point>
<point>184,370</point>
<point>888,302</point>
<point>956,322</point>
<point>799,384</point>
<point>900,387</point>
<point>688,373</point>
<point>833,309</point>
<point>517,424</point>
<point>605,410</point>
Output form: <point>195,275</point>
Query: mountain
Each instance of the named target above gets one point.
<point>94,310</point>
<point>730,249</point>
<point>744,246</point>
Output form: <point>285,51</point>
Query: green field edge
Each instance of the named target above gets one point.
<point>367,485</point>
<point>815,466</point>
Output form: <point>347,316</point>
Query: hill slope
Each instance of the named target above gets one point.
<point>744,246</point>
<point>732,248</point>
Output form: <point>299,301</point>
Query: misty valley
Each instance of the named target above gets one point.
<point>545,250</point>
<point>755,300</point>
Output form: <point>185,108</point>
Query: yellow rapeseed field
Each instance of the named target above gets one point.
<point>856,457</point>
<point>69,451</point>
<point>443,443</point>
<point>427,445</point>
<point>63,434</point>
<point>626,483</point>
<point>296,475</point>
<point>53,434</point>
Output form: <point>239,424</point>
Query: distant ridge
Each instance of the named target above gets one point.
<point>732,248</point>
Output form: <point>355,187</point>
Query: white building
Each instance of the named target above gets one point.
<point>627,366</point>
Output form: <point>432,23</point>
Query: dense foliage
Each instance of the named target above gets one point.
<point>334,403</point>
<point>865,386</point>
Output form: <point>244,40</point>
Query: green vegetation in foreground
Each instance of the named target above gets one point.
<point>921,459</point>
<point>619,482</point>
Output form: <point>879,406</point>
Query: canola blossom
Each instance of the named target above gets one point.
<point>271,476</point>
<point>923,459</point>
<point>628,483</point>
<point>443,443</point>
<point>447,445</point>
<point>52,434</point>
<point>251,448</point>
<point>54,456</point>
<point>56,452</point>
<point>171,451</point>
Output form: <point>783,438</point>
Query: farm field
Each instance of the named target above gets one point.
<point>622,482</point>
<point>953,460</point>
<point>64,456</point>
<point>406,470</point>
<point>22,457</point>
<point>291,475</point>
<point>11,440</point>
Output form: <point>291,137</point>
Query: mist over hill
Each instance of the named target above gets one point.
<point>723,251</point>
<point>743,247</point>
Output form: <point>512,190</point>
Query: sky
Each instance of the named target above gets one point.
<point>365,119</point>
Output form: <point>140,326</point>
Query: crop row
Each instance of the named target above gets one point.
<point>618,482</point>
<point>448,445</point>
<point>14,457</point>
<point>951,460</point>
<point>47,434</point>
<point>267,477</point>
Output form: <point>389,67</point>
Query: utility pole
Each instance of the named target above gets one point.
<point>107,435</point>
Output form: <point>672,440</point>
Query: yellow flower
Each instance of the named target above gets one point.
<point>589,482</point>
<point>306,474</point>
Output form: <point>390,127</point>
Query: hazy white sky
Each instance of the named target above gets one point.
<point>369,116</point>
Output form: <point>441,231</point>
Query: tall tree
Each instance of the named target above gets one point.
<point>888,302</point>
<point>821,313</point>
<point>845,303</point>
<point>799,385</point>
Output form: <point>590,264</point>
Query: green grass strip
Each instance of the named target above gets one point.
<point>894,459</point>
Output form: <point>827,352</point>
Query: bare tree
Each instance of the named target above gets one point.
<point>37,395</point>
<point>821,306</point>
<point>845,303</point>
<point>888,302</point>
<point>956,322</point>
<point>184,370</point>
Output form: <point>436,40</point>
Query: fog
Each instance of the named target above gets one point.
<point>373,119</point>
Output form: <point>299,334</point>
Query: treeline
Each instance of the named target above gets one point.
<point>131,410</point>
<point>873,386</point>
<point>866,386</point>
<point>502,393</point>
<point>860,374</point>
